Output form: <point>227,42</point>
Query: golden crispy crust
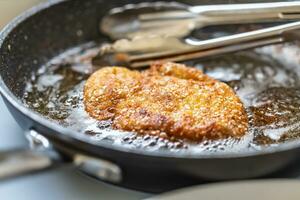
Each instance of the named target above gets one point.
<point>168,98</point>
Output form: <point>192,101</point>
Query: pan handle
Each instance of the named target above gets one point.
<point>42,156</point>
<point>23,161</point>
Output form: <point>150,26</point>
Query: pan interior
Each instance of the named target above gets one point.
<point>264,80</point>
<point>51,54</point>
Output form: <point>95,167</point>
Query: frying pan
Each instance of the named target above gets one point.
<point>47,30</point>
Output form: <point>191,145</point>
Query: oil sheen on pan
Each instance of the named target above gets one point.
<point>267,88</point>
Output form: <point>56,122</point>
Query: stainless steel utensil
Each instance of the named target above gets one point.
<point>122,55</point>
<point>178,20</point>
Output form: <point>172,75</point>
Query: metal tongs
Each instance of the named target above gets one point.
<point>124,54</point>
<point>178,20</point>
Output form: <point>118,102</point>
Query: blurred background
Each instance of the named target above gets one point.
<point>11,8</point>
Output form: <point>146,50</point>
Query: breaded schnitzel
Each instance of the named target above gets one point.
<point>169,100</point>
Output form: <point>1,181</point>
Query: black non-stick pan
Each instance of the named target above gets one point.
<point>47,30</point>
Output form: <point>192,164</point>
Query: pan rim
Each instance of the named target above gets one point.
<point>67,135</point>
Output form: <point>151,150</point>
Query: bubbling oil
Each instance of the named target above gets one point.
<point>268,89</point>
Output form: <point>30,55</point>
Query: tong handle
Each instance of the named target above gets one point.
<point>279,30</point>
<point>210,52</point>
<point>266,34</point>
<point>246,13</point>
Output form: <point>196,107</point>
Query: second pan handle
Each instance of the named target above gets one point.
<point>42,157</point>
